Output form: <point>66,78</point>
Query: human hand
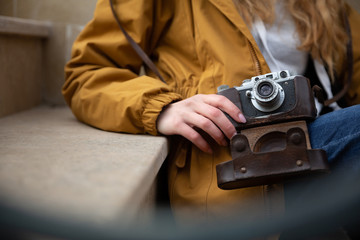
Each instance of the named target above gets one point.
<point>203,112</point>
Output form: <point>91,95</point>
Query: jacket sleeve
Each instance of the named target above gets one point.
<point>102,84</point>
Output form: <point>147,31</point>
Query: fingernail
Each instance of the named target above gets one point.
<point>242,118</point>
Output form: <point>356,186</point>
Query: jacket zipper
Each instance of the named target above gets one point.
<point>255,59</point>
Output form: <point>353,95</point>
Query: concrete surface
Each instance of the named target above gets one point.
<point>52,164</point>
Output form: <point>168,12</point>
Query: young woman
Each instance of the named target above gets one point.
<point>198,45</point>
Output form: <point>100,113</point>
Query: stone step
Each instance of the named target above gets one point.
<point>21,63</point>
<point>54,165</point>
<point>24,27</point>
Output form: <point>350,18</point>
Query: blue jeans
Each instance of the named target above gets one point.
<point>338,133</point>
<point>330,197</point>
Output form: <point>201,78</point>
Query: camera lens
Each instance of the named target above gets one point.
<point>266,92</point>
<point>265,89</point>
<point>268,95</point>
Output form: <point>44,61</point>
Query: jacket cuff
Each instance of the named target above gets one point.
<point>154,107</point>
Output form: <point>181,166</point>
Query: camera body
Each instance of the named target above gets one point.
<point>265,94</point>
<point>272,98</point>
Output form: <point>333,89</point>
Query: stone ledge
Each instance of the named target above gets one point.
<point>27,27</point>
<point>53,164</point>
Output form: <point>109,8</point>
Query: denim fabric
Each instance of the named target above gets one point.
<point>338,133</point>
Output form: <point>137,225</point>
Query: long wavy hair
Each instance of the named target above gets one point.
<point>319,23</point>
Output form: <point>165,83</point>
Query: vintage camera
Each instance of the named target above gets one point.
<point>265,94</point>
<point>273,145</point>
<point>270,98</point>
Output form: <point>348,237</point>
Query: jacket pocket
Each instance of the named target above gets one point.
<point>180,150</point>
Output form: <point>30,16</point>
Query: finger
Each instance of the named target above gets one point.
<point>225,105</point>
<point>219,121</point>
<point>207,125</point>
<point>194,137</point>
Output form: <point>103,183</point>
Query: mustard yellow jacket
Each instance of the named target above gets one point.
<point>197,46</point>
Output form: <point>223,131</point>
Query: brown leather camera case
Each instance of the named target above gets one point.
<point>273,149</point>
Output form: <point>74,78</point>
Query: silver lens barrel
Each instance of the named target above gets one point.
<point>268,95</point>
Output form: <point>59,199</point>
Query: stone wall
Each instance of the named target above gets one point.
<point>68,17</point>
<point>43,175</point>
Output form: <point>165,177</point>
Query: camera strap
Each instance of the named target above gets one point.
<point>135,46</point>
